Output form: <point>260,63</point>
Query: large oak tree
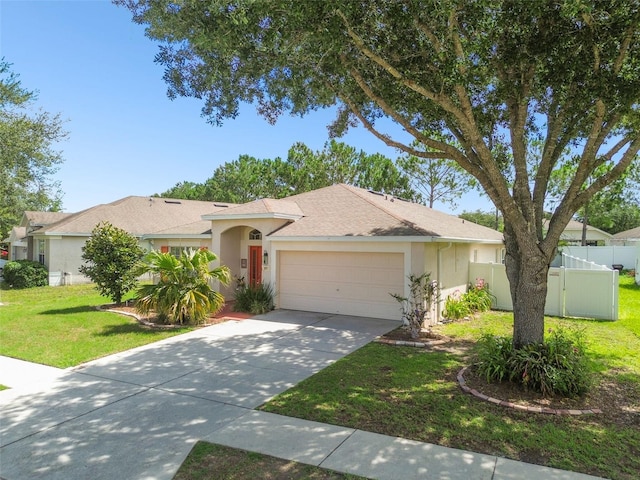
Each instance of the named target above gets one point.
<point>495,76</point>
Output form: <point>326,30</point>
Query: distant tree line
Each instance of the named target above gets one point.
<point>248,178</point>
<point>426,181</point>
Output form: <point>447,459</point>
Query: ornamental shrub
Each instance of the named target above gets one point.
<point>477,298</point>
<point>25,274</point>
<point>256,299</point>
<point>558,366</point>
<point>183,293</point>
<point>110,256</point>
<point>423,294</point>
<point>455,307</point>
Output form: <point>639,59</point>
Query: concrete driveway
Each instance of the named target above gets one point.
<point>136,414</point>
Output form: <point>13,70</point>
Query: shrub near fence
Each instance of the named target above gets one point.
<point>571,292</point>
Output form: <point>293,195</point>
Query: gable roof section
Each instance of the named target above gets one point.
<point>141,216</point>
<point>263,208</point>
<point>634,233</point>
<point>345,211</point>
<point>17,236</point>
<point>34,219</point>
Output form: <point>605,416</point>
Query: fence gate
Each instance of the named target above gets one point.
<point>571,292</point>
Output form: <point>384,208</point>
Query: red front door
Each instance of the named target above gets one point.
<point>255,265</point>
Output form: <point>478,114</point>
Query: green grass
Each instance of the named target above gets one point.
<point>209,460</point>
<point>414,394</point>
<point>61,327</point>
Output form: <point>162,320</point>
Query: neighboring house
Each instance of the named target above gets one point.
<point>343,250</point>
<point>17,243</point>
<point>572,235</point>
<point>628,237</point>
<point>163,224</point>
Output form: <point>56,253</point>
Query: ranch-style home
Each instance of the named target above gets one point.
<point>343,250</point>
<point>339,249</point>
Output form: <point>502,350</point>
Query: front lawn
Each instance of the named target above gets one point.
<point>61,327</point>
<point>413,393</point>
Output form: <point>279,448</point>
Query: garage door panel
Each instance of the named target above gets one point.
<point>341,282</point>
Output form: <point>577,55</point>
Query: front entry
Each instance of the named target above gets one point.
<point>255,265</point>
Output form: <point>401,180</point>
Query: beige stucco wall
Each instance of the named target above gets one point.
<point>449,264</point>
<point>63,255</point>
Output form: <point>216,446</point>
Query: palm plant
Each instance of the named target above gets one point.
<point>183,292</point>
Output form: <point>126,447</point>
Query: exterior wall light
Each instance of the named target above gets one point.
<point>265,258</point>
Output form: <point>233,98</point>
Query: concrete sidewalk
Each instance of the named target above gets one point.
<point>137,414</point>
<point>371,455</point>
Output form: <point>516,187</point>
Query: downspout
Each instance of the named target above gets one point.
<point>439,267</point>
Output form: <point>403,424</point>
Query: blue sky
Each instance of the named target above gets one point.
<point>91,64</point>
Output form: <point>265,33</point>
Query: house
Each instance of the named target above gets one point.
<point>572,235</point>
<point>343,250</point>
<point>170,225</point>
<point>17,243</point>
<point>339,249</point>
<point>628,237</point>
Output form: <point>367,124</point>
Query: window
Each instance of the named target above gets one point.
<point>255,235</point>
<point>41,250</point>
<point>176,251</point>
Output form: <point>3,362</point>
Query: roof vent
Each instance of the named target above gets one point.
<point>220,205</point>
<point>175,202</point>
<point>376,193</point>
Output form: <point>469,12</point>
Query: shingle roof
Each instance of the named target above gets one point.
<point>633,233</point>
<point>141,216</point>
<point>265,206</point>
<point>17,235</point>
<point>342,210</point>
<point>40,219</point>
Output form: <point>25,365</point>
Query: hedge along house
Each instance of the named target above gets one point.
<point>343,250</point>
<point>168,225</point>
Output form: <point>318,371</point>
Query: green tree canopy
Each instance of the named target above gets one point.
<point>27,154</point>
<point>249,178</point>
<point>492,75</point>
<point>488,219</point>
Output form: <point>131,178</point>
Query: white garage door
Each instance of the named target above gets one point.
<point>343,283</point>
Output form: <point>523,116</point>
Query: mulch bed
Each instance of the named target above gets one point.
<point>618,402</point>
<point>227,313</point>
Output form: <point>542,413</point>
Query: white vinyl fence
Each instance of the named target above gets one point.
<point>573,291</point>
<point>626,256</point>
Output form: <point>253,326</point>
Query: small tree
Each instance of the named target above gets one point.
<point>423,294</point>
<point>110,256</point>
<point>183,293</point>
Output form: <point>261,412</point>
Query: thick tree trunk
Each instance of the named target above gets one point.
<point>527,269</point>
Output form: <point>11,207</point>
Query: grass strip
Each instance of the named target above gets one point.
<point>209,460</point>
